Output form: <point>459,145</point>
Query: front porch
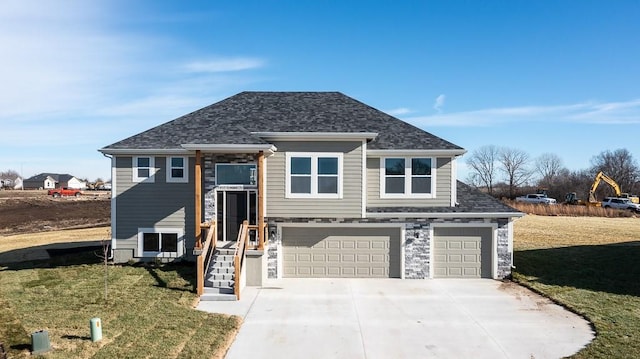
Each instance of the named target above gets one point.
<point>224,268</point>
<point>230,228</point>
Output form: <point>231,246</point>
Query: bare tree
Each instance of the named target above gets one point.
<point>483,165</point>
<point>548,166</point>
<point>619,165</point>
<point>572,181</point>
<point>514,164</point>
<point>9,174</point>
<point>104,255</point>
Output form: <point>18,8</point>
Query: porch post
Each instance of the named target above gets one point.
<point>198,199</point>
<point>261,190</point>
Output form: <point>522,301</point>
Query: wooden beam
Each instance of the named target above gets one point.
<point>200,275</point>
<point>261,189</point>
<point>198,199</point>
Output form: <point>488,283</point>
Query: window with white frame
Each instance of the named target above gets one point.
<point>316,175</point>
<point>406,177</point>
<point>160,242</point>
<point>143,169</point>
<point>177,169</point>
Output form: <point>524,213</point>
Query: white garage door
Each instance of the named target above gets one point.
<point>323,252</point>
<point>462,252</point>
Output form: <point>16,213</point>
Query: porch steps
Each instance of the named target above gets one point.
<point>220,278</point>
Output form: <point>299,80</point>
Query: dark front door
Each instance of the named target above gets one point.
<point>234,207</point>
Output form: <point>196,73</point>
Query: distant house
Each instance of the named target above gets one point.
<point>53,180</point>
<point>9,183</point>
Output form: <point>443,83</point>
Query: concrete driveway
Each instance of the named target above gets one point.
<point>392,318</point>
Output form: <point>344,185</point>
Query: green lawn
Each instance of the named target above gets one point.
<point>599,281</point>
<point>149,311</point>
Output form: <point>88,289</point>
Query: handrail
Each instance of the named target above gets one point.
<point>204,257</point>
<point>239,254</point>
<point>203,225</point>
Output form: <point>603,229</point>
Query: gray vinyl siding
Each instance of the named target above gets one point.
<point>443,187</point>
<point>350,205</point>
<point>148,205</point>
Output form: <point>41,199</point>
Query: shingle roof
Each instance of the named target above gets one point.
<point>470,200</point>
<point>56,176</point>
<point>233,120</point>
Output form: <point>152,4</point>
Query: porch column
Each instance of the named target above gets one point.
<point>198,199</point>
<point>261,190</point>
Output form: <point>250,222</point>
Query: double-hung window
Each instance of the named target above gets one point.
<point>160,242</point>
<point>143,169</point>
<point>178,169</point>
<point>407,177</point>
<point>315,175</point>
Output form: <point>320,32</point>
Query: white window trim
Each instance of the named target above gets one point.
<point>314,175</point>
<point>407,179</point>
<point>179,253</point>
<point>152,170</point>
<point>185,170</point>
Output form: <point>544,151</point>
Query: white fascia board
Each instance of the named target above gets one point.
<point>427,153</point>
<point>145,151</point>
<point>444,214</point>
<point>230,148</point>
<point>316,136</point>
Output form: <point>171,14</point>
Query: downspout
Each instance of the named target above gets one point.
<point>113,188</point>
<point>261,204</point>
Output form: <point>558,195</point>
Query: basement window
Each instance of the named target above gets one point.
<point>160,242</point>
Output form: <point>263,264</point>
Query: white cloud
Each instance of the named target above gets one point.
<point>64,60</point>
<point>224,65</point>
<point>75,80</point>
<point>399,111</point>
<point>439,103</point>
<point>588,112</point>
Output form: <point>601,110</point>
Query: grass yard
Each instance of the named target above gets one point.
<point>592,266</point>
<point>31,240</point>
<point>149,312</point>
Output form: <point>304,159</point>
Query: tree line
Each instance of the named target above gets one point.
<point>509,172</point>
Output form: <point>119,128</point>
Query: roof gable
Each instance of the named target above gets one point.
<point>237,119</point>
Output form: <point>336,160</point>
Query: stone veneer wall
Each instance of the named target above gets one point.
<point>417,249</point>
<point>210,178</point>
<point>274,246</point>
<point>416,241</point>
<point>505,259</point>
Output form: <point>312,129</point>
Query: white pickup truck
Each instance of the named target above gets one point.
<point>536,198</point>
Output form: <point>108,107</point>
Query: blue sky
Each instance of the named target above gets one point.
<point>540,76</point>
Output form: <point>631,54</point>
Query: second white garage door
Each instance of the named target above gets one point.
<point>323,252</point>
<point>462,252</point>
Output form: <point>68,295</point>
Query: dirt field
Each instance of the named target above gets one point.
<point>33,211</point>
